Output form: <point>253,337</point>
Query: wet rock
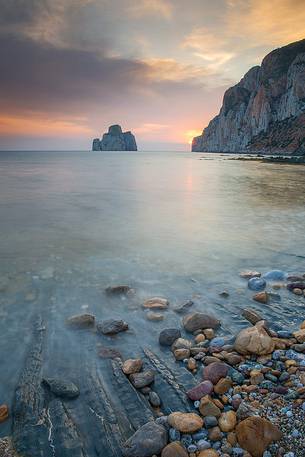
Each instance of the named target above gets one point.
<point>181,343</point>
<point>81,321</point>
<point>300,335</point>
<point>249,274</point>
<point>200,338</point>
<point>154,399</point>
<point>296,285</point>
<point>4,413</point>
<point>61,388</point>
<point>256,284</point>
<point>185,422</point>
<point>199,391</point>
<point>148,440</point>
<point>208,408</point>
<point>108,353</point>
<point>112,326</point>
<point>196,321</point>
<point>132,366</point>
<point>151,316</point>
<point>184,308</point>
<point>215,371</point>
<point>156,303</point>
<point>143,379</point>
<point>254,340</point>
<point>119,290</point>
<point>181,354</point>
<point>261,297</point>
<point>297,291</point>
<point>222,386</point>
<point>174,449</point>
<point>168,336</point>
<point>224,294</point>
<point>208,453</point>
<point>255,434</point>
<point>209,333</point>
<point>251,315</point>
<point>227,421</point>
<point>275,275</point>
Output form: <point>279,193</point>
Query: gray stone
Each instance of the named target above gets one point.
<point>168,336</point>
<point>62,388</point>
<point>112,326</point>
<point>115,140</point>
<point>143,379</point>
<point>196,321</point>
<point>148,440</point>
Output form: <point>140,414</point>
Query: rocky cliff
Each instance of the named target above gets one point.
<point>115,140</point>
<point>265,111</point>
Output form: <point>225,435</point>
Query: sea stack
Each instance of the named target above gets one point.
<point>265,111</point>
<point>115,140</point>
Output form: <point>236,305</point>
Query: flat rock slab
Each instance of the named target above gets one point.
<point>112,326</point>
<point>62,388</point>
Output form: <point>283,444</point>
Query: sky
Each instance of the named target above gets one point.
<point>71,68</point>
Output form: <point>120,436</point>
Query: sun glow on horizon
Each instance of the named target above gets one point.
<point>190,134</point>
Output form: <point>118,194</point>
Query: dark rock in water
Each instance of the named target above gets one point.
<point>215,371</point>
<point>154,399</point>
<point>81,321</point>
<point>3,413</point>
<point>296,285</point>
<point>196,321</point>
<point>62,388</point>
<point>184,308</point>
<point>112,326</point>
<point>115,140</point>
<point>256,284</point>
<point>168,336</point>
<point>96,144</point>
<point>108,353</point>
<point>199,391</point>
<point>119,290</point>
<point>143,379</point>
<point>147,441</point>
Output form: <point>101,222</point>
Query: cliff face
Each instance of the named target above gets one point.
<point>115,140</point>
<point>265,111</point>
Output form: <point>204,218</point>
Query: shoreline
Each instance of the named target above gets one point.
<point>254,380</point>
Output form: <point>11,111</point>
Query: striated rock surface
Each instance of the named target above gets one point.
<point>115,140</point>
<point>265,111</point>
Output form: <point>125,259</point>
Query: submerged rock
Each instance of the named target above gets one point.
<point>149,440</point>
<point>249,274</point>
<point>254,340</point>
<point>62,388</point>
<point>185,422</point>
<point>108,353</point>
<point>152,316</point>
<point>256,284</point>
<point>4,413</point>
<point>251,315</point>
<point>156,303</point>
<point>112,326</point>
<point>143,379</point>
<point>196,321</point>
<point>184,308</point>
<point>255,434</point>
<point>168,336</point>
<point>275,275</point>
<point>132,366</point>
<point>81,321</point>
<point>261,297</point>
<point>119,290</point>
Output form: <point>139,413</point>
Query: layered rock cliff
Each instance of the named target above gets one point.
<point>115,140</point>
<point>265,111</point>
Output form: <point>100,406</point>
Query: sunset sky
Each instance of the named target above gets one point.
<point>70,68</point>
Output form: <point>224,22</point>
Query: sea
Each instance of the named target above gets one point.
<point>179,225</point>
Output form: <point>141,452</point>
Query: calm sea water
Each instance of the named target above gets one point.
<point>181,225</point>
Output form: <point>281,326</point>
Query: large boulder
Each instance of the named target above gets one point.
<point>254,340</point>
<point>148,440</point>
<point>255,434</point>
<point>185,422</point>
<point>196,321</point>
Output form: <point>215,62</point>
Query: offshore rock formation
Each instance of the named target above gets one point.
<point>115,140</point>
<point>265,111</point>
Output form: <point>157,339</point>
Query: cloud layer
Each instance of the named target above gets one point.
<point>69,68</point>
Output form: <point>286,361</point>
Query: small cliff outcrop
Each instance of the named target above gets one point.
<point>115,140</point>
<point>265,111</point>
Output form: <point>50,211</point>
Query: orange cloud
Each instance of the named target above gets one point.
<point>172,70</point>
<point>151,7</point>
<point>40,127</point>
